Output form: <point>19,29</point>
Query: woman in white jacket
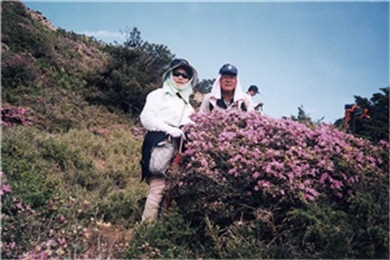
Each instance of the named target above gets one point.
<point>165,111</point>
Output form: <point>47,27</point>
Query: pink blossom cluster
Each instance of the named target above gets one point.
<point>17,214</point>
<point>50,249</point>
<point>17,69</point>
<point>278,157</point>
<point>6,192</point>
<point>138,131</point>
<point>11,116</point>
<point>87,50</point>
<point>4,187</point>
<point>12,60</point>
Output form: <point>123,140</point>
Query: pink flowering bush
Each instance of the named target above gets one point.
<point>17,69</point>
<point>289,178</point>
<point>11,115</point>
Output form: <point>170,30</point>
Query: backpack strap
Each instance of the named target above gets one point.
<point>243,107</point>
<point>222,104</point>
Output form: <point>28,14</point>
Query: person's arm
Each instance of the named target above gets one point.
<point>205,106</point>
<point>258,106</point>
<point>249,103</point>
<point>151,117</point>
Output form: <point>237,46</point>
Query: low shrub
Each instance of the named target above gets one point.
<point>69,195</point>
<point>314,191</point>
<point>63,228</point>
<point>17,69</point>
<point>172,238</point>
<point>11,116</point>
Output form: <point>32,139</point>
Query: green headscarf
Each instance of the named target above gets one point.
<point>170,87</point>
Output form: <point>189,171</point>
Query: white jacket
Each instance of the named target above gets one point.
<point>163,110</point>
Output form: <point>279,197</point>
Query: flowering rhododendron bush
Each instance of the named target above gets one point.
<point>313,189</point>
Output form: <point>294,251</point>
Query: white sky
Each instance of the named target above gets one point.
<point>315,54</point>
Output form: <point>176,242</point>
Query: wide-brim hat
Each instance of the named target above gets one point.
<point>182,63</point>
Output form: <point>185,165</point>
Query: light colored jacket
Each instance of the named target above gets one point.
<point>240,99</point>
<point>164,110</point>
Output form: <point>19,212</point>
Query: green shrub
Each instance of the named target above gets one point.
<point>122,207</point>
<point>173,238</point>
<point>60,182</point>
<point>17,70</point>
<point>54,230</point>
<point>30,176</point>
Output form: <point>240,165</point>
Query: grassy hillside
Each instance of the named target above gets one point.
<point>45,71</point>
<point>70,161</point>
<point>254,188</point>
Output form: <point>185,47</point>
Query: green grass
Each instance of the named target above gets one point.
<point>102,163</point>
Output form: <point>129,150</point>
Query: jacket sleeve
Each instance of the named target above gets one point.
<point>150,118</point>
<point>205,106</point>
<point>249,103</point>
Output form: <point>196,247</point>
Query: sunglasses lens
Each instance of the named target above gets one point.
<point>177,74</point>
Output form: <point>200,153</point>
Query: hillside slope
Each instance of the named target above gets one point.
<point>70,161</point>
<point>45,71</point>
<point>254,187</point>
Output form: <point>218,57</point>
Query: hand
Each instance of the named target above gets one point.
<point>175,132</point>
<point>259,105</point>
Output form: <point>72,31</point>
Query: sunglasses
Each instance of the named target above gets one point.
<point>177,74</point>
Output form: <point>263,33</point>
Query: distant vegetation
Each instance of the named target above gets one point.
<point>254,188</point>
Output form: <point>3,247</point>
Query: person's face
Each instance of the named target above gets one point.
<point>252,93</point>
<point>228,83</point>
<point>180,77</point>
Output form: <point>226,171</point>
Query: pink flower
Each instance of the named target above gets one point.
<point>255,175</point>
<point>268,168</point>
<point>337,184</point>
<point>203,162</point>
<point>232,171</point>
<point>61,241</point>
<point>189,152</point>
<point>6,188</point>
<point>42,255</point>
<point>371,159</point>
<point>324,177</point>
<point>384,143</point>
<point>308,197</point>
<point>290,176</point>
<point>312,192</point>
<point>278,166</point>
